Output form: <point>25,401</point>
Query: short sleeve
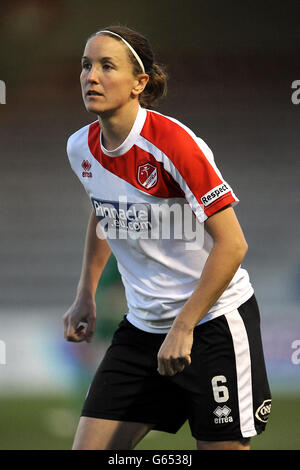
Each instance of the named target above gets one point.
<point>190,162</point>
<point>203,185</point>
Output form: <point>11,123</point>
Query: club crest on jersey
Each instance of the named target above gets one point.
<point>147,175</point>
<point>86,169</point>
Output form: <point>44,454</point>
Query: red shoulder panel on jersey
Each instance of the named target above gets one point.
<point>177,144</point>
<point>138,167</point>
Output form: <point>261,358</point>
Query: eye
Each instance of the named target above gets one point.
<point>86,65</point>
<point>107,67</point>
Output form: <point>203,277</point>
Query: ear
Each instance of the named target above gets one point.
<point>140,83</point>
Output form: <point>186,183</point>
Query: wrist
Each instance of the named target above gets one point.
<point>183,326</point>
<point>85,293</point>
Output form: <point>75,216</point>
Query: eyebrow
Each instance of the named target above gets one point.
<point>103,59</point>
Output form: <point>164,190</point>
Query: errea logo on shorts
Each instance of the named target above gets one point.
<point>222,414</point>
<point>215,194</point>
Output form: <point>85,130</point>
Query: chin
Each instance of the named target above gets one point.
<point>94,108</point>
<point>102,109</point>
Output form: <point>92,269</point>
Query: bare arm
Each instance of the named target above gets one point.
<point>95,256</point>
<point>228,251</point>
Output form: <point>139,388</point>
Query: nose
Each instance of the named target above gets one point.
<point>92,76</point>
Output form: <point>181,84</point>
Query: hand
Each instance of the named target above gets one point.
<point>175,352</point>
<point>82,311</point>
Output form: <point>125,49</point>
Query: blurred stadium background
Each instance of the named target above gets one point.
<point>231,65</point>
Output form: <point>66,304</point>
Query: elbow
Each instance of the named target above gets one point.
<point>235,248</point>
<point>241,249</point>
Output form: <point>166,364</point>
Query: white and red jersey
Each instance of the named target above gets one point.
<point>162,169</point>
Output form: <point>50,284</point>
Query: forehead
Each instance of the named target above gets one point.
<point>103,45</point>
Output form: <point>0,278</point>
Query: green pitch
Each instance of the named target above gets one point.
<point>49,423</point>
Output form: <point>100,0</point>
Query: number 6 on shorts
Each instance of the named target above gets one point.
<point>220,392</point>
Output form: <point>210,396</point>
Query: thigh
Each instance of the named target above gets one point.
<point>128,388</point>
<point>242,444</point>
<point>104,434</point>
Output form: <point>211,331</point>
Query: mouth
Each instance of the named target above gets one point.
<point>93,93</point>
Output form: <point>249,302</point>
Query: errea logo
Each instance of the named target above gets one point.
<point>222,414</point>
<point>86,165</point>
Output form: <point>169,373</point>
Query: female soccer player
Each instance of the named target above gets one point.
<point>190,344</point>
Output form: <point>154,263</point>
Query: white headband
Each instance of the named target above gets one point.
<point>127,44</point>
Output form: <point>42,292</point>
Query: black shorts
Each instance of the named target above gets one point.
<point>224,392</point>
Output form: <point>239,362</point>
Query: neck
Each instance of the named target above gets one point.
<point>117,125</point>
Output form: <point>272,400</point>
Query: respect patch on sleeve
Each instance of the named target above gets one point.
<point>215,194</point>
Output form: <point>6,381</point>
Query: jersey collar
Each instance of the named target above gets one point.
<point>130,139</point>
